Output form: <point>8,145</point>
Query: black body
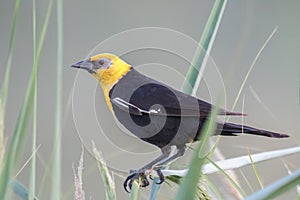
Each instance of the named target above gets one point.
<point>162,116</point>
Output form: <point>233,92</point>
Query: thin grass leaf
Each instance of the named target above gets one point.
<point>277,188</point>
<point>230,190</point>
<point>134,193</point>
<point>290,172</point>
<point>18,188</point>
<point>107,179</point>
<point>9,165</point>
<point>235,163</point>
<point>249,154</point>
<point>17,140</point>
<point>34,118</point>
<point>243,84</point>
<point>22,122</point>
<point>56,179</point>
<point>240,190</point>
<point>214,146</point>
<point>174,178</point>
<point>188,187</point>
<point>46,175</point>
<point>241,161</point>
<point>47,166</point>
<point>4,90</point>
<point>246,180</point>
<point>26,163</point>
<point>238,162</point>
<point>212,186</point>
<point>2,146</point>
<point>200,192</point>
<point>195,72</point>
<point>251,67</point>
<point>255,170</point>
<point>199,61</point>
<point>269,111</point>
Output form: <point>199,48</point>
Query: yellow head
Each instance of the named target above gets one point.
<point>108,69</point>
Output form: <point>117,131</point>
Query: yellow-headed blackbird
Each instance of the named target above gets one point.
<point>155,112</point>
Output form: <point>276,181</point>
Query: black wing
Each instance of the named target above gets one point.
<point>140,95</point>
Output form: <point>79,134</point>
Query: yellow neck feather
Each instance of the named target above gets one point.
<point>110,76</point>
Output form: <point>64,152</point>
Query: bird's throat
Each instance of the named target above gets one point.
<point>109,77</point>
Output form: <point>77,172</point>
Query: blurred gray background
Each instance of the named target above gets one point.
<point>244,28</point>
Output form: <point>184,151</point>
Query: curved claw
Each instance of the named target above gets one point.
<point>125,184</point>
<point>160,176</point>
<point>144,180</point>
<point>151,177</point>
<point>135,176</point>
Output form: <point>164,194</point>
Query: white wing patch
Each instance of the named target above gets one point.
<point>124,105</point>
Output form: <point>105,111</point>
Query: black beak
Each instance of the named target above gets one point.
<point>85,64</point>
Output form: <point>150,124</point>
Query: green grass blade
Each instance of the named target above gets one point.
<point>47,167</point>
<point>56,179</point>
<point>193,76</point>
<point>249,154</point>
<point>241,161</point>
<point>277,188</point>
<point>267,109</point>
<point>2,146</point>
<point>234,163</point>
<point>188,187</point>
<point>29,99</point>
<point>4,89</point>
<point>107,179</point>
<point>290,172</point>
<point>14,149</point>
<point>31,193</point>
<point>237,162</point>
<point>134,193</point>
<point>215,190</point>
<point>17,140</point>
<point>255,170</point>
<point>251,67</point>
<point>247,181</point>
<point>200,192</point>
<point>240,190</point>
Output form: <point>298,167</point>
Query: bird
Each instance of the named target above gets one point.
<point>156,113</point>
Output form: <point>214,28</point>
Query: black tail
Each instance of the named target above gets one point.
<point>231,129</point>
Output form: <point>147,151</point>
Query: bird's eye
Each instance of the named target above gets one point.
<point>101,62</point>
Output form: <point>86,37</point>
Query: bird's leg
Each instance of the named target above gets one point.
<point>160,165</point>
<point>179,153</point>
<point>140,173</point>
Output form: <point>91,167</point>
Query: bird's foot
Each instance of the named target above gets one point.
<point>138,175</point>
<point>160,176</point>
<point>141,177</point>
